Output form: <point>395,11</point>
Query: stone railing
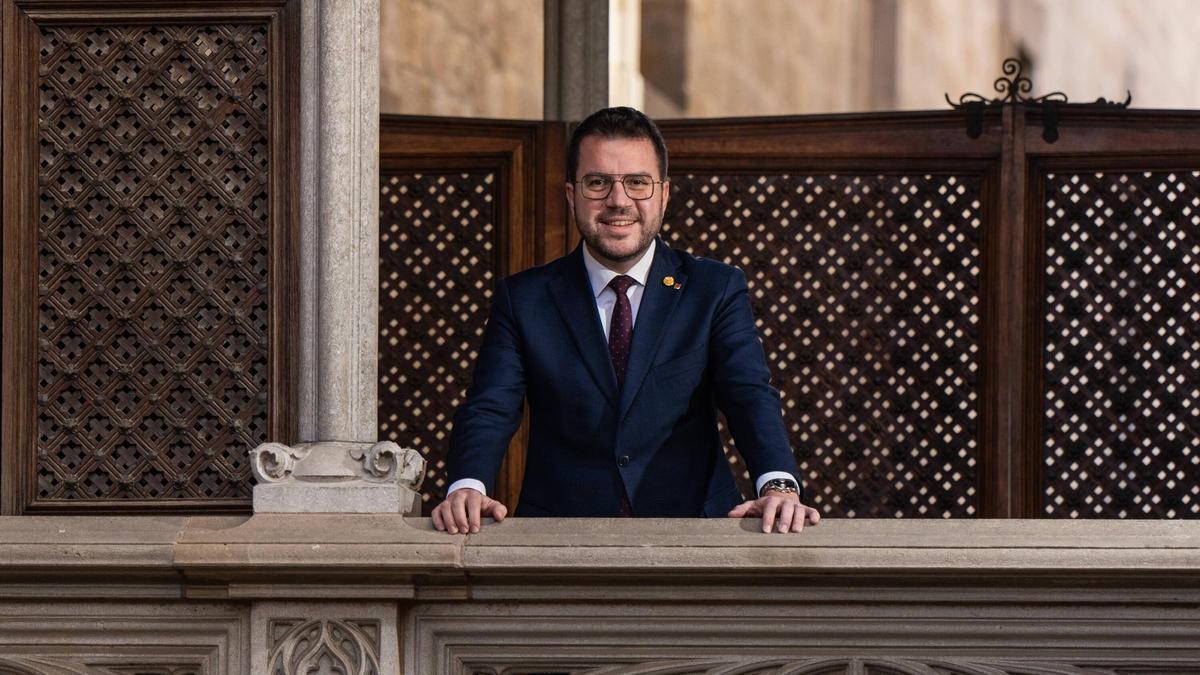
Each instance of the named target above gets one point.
<point>362,593</point>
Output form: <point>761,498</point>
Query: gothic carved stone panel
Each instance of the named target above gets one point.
<point>1121,325</point>
<point>328,646</point>
<point>36,665</point>
<point>156,232</point>
<point>879,630</point>
<point>351,638</point>
<point>123,638</point>
<point>866,291</point>
<point>878,665</point>
<point>437,263</point>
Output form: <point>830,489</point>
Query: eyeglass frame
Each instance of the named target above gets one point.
<point>615,178</point>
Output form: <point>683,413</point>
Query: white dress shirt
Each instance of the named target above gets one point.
<point>606,299</point>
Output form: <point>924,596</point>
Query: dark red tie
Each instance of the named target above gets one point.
<point>620,330</point>
<point>620,335</point>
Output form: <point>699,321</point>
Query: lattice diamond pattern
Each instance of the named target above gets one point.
<point>437,260</point>
<point>152,260</point>
<point>1121,368</point>
<point>866,293</point>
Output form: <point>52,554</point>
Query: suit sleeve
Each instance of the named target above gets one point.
<point>742,383</point>
<point>485,422</point>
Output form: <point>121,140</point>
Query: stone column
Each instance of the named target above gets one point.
<point>576,62</point>
<point>339,467</point>
<point>340,220</point>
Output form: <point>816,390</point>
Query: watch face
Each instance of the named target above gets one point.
<point>779,485</point>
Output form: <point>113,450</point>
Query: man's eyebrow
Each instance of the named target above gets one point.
<point>622,175</point>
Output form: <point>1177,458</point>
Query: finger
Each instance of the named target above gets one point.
<point>801,516</point>
<point>768,514</point>
<point>810,514</point>
<point>459,509</point>
<point>498,510</point>
<point>787,512</point>
<point>742,510</point>
<point>437,518</point>
<point>473,504</point>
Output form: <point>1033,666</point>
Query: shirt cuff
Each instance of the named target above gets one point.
<point>467,483</point>
<point>758,485</point>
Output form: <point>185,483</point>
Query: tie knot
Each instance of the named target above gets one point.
<point>621,283</point>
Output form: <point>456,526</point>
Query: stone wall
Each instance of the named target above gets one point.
<point>717,58</point>
<point>762,57</point>
<point>465,59</point>
<point>361,593</point>
<point>1090,49</point>
<point>946,46</point>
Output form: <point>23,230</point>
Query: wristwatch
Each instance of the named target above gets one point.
<point>786,485</point>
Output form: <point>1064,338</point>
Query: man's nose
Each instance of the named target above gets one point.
<point>617,195</point>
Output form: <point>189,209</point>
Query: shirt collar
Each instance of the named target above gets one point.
<point>600,276</point>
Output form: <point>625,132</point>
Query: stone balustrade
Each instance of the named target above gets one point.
<point>384,593</point>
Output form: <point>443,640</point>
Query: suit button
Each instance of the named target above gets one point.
<point>623,460</point>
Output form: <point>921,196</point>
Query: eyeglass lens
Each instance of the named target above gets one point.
<point>597,186</point>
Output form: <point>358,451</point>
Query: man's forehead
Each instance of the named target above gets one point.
<point>617,155</point>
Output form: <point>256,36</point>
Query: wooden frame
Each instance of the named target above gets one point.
<point>887,143</point>
<point>528,158</point>
<point>20,20</point>
<point>1090,140</point>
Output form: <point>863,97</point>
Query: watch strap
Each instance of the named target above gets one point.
<point>785,485</point>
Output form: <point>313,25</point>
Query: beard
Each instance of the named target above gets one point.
<point>625,248</point>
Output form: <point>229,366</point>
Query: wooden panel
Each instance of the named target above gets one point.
<point>867,293</point>
<point>148,201</point>
<point>463,203</point>
<point>1111,381</point>
<point>842,224</point>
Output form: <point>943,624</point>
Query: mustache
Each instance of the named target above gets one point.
<point>618,213</point>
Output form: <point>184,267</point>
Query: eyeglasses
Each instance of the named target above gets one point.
<point>597,185</point>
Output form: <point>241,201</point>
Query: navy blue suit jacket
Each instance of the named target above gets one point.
<point>694,349</point>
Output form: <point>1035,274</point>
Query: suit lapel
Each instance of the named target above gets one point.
<point>654,315</point>
<point>572,294</point>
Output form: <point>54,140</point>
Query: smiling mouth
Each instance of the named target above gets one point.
<point>619,223</point>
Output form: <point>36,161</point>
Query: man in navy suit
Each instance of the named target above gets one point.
<point>624,349</point>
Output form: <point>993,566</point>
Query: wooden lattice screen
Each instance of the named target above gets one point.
<point>146,239</point>
<point>1121,353</point>
<point>993,326</point>
<point>866,293</point>
<point>459,208</point>
<point>439,244</point>
<point>959,327</point>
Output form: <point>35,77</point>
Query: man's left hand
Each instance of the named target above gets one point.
<point>784,505</point>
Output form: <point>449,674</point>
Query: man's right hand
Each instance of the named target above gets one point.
<point>462,509</point>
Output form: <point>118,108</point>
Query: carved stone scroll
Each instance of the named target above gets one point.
<point>337,477</point>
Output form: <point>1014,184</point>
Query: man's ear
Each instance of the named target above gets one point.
<point>570,190</point>
<point>666,194</point>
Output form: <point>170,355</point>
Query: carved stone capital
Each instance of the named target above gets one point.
<point>336,477</point>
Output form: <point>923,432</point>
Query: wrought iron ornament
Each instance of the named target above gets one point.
<point>1014,89</point>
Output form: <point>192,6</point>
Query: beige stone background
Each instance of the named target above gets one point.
<point>719,58</point>
<point>461,58</point>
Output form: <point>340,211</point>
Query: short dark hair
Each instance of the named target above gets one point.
<point>617,122</point>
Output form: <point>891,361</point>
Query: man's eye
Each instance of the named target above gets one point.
<point>595,182</point>
<point>638,181</point>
